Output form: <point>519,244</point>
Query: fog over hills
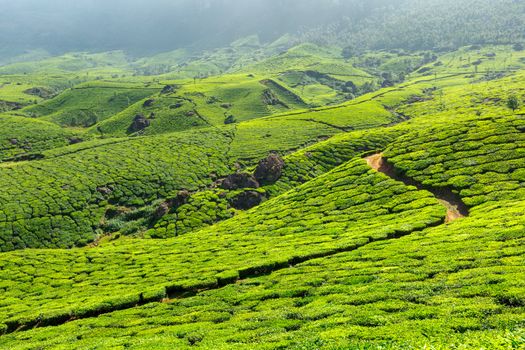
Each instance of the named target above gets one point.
<point>144,27</point>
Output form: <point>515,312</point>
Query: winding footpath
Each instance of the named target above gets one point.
<point>456,209</point>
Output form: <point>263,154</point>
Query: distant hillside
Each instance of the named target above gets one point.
<point>419,25</point>
<point>143,28</point>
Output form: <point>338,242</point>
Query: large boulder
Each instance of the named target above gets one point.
<point>182,198</point>
<point>148,103</point>
<point>168,89</point>
<point>139,123</point>
<point>246,200</point>
<point>162,210</point>
<point>270,169</point>
<point>165,207</point>
<point>239,181</point>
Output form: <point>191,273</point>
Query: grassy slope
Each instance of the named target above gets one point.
<point>314,297</point>
<point>58,73</point>
<point>252,141</point>
<point>366,206</point>
<point>88,103</point>
<point>20,136</point>
<point>243,94</point>
<point>60,198</point>
<point>57,202</point>
<point>444,286</point>
<point>455,286</point>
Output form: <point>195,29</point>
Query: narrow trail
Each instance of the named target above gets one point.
<point>456,209</point>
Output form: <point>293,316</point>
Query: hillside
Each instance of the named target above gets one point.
<point>264,196</point>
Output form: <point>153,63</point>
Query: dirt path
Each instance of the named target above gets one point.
<point>456,209</point>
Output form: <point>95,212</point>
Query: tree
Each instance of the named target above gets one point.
<point>230,120</point>
<point>513,103</point>
<point>349,52</point>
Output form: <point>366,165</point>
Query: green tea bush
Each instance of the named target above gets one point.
<point>346,208</point>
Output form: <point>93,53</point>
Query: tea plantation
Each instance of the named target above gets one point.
<point>235,209</point>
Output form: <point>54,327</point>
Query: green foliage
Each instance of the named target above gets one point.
<point>423,289</point>
<point>20,136</point>
<point>337,256</point>
<point>202,209</point>
<point>61,199</point>
<point>87,104</point>
<point>480,158</point>
<point>341,210</point>
<point>416,25</point>
<point>513,103</point>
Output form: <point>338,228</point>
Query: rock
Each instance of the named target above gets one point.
<point>176,106</point>
<point>104,190</point>
<point>75,140</point>
<point>230,120</point>
<point>226,105</point>
<point>163,209</point>
<point>6,106</point>
<point>14,142</point>
<point>190,113</point>
<point>168,89</point>
<point>148,103</point>
<point>491,100</point>
<point>270,169</point>
<point>181,199</point>
<point>246,200</point>
<point>139,123</point>
<point>387,83</point>
<point>113,212</point>
<point>238,181</point>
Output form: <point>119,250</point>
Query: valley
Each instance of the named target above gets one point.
<point>290,194</point>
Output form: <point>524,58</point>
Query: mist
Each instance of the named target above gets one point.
<point>140,26</point>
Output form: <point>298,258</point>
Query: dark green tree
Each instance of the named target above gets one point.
<point>349,52</point>
<point>518,47</point>
<point>513,103</point>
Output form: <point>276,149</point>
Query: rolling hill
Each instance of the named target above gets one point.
<point>301,200</point>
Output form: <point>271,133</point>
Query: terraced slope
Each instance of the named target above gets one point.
<point>59,201</point>
<point>21,137</point>
<point>475,158</point>
<point>53,213</point>
<point>340,256</point>
<point>454,286</point>
<point>392,300</point>
<point>456,208</point>
<point>295,130</point>
<point>213,101</point>
<point>252,141</point>
<point>301,224</point>
<point>89,103</point>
